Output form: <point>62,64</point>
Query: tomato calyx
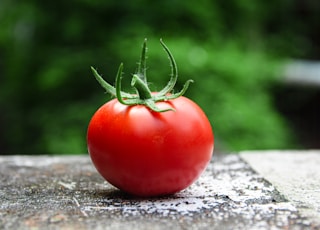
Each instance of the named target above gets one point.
<point>139,82</point>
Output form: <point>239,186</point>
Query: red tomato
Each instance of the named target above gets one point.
<point>149,144</point>
<point>148,153</point>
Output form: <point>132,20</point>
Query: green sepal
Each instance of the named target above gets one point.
<point>139,82</point>
<point>109,88</point>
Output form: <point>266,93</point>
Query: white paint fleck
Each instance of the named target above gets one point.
<point>70,185</point>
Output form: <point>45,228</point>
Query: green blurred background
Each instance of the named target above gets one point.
<point>234,50</point>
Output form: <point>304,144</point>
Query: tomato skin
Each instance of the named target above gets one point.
<point>147,153</point>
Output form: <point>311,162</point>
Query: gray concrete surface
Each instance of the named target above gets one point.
<point>66,192</point>
<point>296,174</point>
<point>302,72</point>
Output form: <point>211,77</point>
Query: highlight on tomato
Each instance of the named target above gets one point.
<point>149,143</point>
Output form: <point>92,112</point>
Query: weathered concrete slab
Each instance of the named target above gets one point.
<point>67,193</point>
<point>296,174</point>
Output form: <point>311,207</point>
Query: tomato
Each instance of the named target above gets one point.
<point>149,144</point>
<point>147,153</point>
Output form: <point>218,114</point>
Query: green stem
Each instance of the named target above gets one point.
<point>141,87</point>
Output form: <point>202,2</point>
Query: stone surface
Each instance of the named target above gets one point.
<point>296,174</point>
<point>67,193</point>
<point>302,72</point>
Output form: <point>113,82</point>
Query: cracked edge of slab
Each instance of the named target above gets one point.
<point>295,174</point>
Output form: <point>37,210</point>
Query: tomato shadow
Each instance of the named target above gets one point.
<point>117,195</point>
<point>112,193</point>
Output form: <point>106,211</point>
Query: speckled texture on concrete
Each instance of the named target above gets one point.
<point>67,193</point>
<point>296,174</point>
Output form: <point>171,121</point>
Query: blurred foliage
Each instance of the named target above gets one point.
<point>232,49</point>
